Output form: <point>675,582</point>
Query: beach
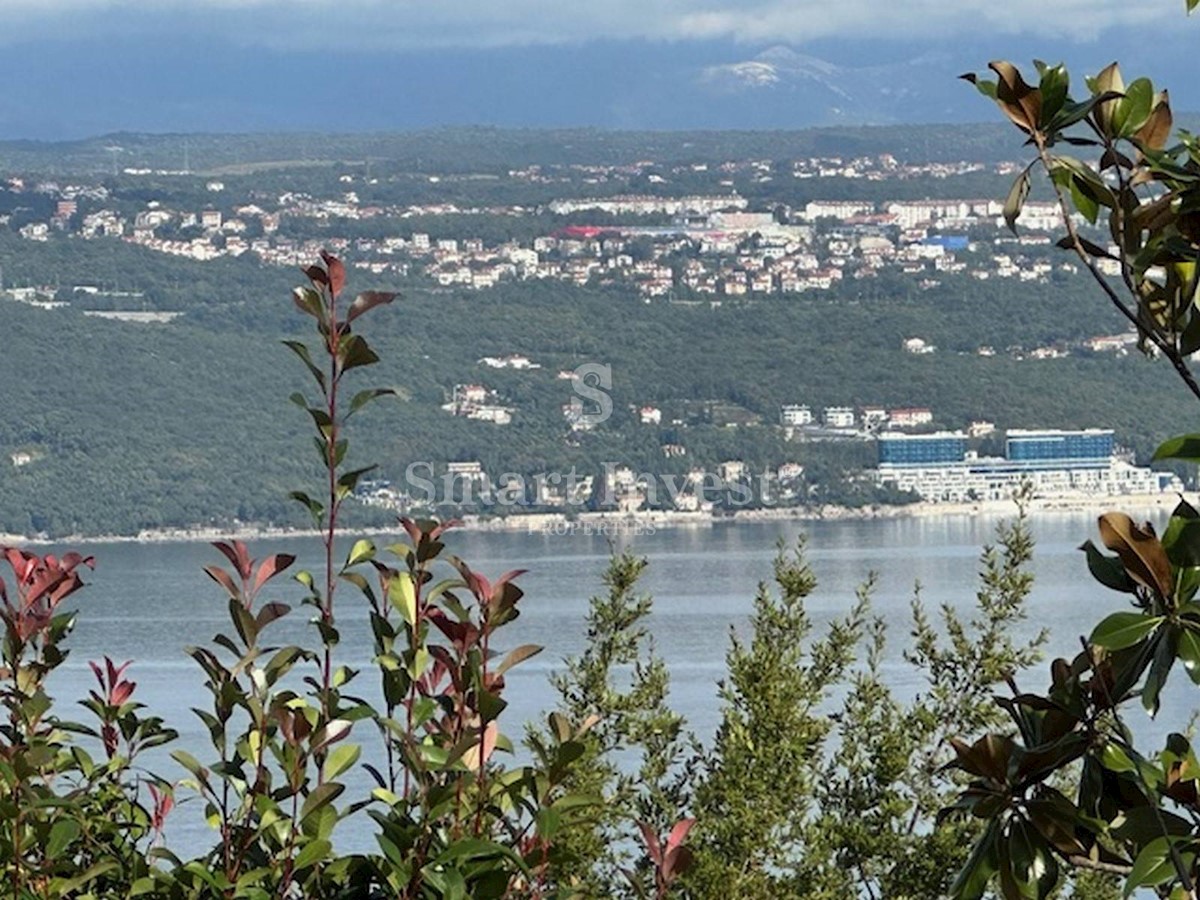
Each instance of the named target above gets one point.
<point>648,521</point>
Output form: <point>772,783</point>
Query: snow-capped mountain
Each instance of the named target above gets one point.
<point>816,91</point>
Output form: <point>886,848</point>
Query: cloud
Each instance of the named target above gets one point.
<point>375,24</point>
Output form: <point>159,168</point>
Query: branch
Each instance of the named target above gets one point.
<point>1085,862</point>
<point>1185,877</point>
<point>1167,348</point>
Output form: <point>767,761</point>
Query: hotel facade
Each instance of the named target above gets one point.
<point>940,468</point>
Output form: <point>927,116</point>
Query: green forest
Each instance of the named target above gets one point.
<point>140,426</point>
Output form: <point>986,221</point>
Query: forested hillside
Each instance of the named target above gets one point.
<point>133,426</point>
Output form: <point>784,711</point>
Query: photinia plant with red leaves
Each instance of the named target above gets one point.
<point>446,788</point>
<point>668,859</point>
<point>67,823</point>
<point>453,819</point>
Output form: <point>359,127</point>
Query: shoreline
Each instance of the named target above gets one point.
<point>616,523</point>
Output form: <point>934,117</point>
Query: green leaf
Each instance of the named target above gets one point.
<point>355,352</point>
<point>1115,759</point>
<point>1185,447</point>
<point>362,398</point>
<point>403,596</point>
<point>190,763</point>
<point>1108,570</point>
<point>321,796</point>
<point>1188,652</point>
<point>1083,201</point>
<point>313,852</point>
<point>349,480</point>
<point>984,86</point>
<point>981,865</point>
<point>315,509</point>
<point>362,551</point>
<point>341,759</point>
<point>61,835</point>
<point>1181,539</point>
<point>1152,867</point>
<point>302,351</point>
<point>1054,84</point>
<point>309,301</point>
<point>1124,629</point>
<point>1015,200</point>
<point>1133,110</point>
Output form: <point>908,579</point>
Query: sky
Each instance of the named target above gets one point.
<point>72,68</point>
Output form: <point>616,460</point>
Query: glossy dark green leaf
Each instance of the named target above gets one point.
<point>1108,570</point>
<point>1188,651</point>
<point>1152,867</point>
<point>1133,110</point>
<point>1185,447</point>
<point>1124,629</point>
<point>1054,85</point>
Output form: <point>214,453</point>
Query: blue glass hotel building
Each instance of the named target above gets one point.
<point>939,467</point>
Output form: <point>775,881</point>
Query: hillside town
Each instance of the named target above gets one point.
<point>705,245</point>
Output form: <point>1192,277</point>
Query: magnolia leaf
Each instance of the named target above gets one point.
<point>1133,110</point>
<point>1020,102</point>
<point>1124,629</point>
<point>1154,134</point>
<point>1108,570</point>
<point>1152,867</point>
<point>1188,652</point>
<point>985,87</point>
<point>1140,552</point>
<point>1015,200</point>
<point>1185,447</point>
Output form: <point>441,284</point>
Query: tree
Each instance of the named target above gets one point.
<point>1069,785</point>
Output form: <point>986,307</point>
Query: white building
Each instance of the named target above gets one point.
<point>794,415</point>
<point>1054,463</point>
<point>839,417</point>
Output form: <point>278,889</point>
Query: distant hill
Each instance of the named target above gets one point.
<point>485,149</point>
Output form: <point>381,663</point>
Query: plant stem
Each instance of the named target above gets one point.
<point>1164,346</point>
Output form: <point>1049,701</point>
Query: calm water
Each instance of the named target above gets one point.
<point>146,602</point>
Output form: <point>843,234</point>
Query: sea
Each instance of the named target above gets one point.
<point>146,602</point>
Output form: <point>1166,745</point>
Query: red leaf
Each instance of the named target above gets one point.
<point>366,301</point>
<point>653,850</point>
<point>269,613</point>
<point>509,576</point>
<point>414,530</point>
<point>337,272</point>
<point>272,566</point>
<point>221,577</point>
<point>121,693</point>
<point>490,734</point>
<point>443,527</point>
<point>680,832</point>
<point>677,861</point>
<point>316,274</point>
<point>238,555</point>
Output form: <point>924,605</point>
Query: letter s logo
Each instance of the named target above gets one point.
<point>592,381</point>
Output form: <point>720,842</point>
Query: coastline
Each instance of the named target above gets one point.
<point>630,522</point>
